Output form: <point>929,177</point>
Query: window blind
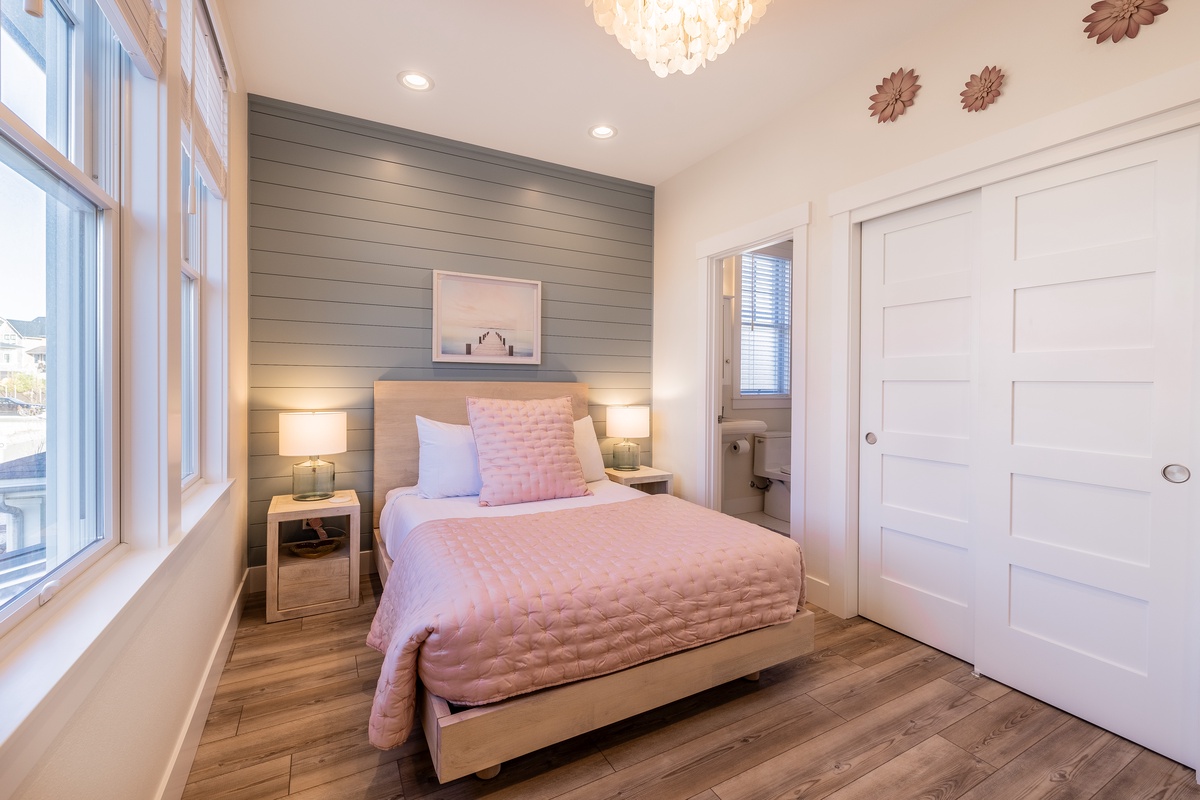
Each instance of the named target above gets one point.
<point>208,120</point>
<point>139,31</point>
<point>766,310</point>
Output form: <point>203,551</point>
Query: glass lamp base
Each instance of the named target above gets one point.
<point>312,480</point>
<point>627,455</point>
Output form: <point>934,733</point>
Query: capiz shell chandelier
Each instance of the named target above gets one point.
<point>674,35</point>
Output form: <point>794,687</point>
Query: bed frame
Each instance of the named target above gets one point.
<point>478,740</point>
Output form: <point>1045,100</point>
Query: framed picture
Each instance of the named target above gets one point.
<point>478,319</point>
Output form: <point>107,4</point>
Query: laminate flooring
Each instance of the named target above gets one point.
<point>870,714</point>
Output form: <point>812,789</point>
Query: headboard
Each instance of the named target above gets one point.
<point>398,403</point>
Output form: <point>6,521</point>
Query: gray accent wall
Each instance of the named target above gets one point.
<point>349,218</point>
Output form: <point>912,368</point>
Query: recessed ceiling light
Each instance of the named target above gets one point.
<point>417,81</point>
<point>603,131</point>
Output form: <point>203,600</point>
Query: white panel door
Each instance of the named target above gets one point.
<point>1084,550</point>
<point>918,323</point>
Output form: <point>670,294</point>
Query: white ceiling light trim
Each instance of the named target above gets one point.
<point>417,81</point>
<point>675,35</point>
<point>602,131</point>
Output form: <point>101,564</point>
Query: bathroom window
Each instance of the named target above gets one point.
<point>765,308</point>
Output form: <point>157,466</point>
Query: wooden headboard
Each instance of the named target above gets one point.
<point>398,403</point>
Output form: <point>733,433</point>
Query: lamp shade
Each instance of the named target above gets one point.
<point>629,422</point>
<point>312,433</point>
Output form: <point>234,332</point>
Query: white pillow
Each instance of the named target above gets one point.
<point>588,449</point>
<point>448,462</point>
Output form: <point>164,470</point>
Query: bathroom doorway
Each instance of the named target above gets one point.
<point>789,225</point>
<point>755,393</point>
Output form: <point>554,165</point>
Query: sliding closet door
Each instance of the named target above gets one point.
<point>918,322</point>
<point>1083,537</point>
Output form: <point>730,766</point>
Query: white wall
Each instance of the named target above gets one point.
<point>827,143</point>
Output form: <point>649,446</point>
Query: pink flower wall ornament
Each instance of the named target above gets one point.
<point>894,95</point>
<point>1116,19</point>
<point>983,89</point>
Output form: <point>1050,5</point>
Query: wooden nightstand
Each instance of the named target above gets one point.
<point>648,479</point>
<point>299,586</point>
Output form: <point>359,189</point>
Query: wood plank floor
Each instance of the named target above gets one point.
<point>871,714</point>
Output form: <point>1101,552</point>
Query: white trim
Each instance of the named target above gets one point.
<point>1161,105</point>
<point>752,234</point>
<point>175,780</point>
<point>36,147</point>
<point>799,380</point>
<point>791,223</point>
<point>224,44</point>
<point>711,304</point>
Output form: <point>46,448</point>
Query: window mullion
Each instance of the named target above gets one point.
<point>47,155</point>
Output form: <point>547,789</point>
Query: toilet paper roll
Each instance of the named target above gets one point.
<point>740,446</point>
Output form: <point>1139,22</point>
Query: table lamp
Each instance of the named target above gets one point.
<point>307,433</point>
<point>628,422</point>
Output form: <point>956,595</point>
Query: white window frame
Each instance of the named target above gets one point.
<point>211,252</point>
<point>211,246</point>
<point>192,261</point>
<point>86,106</point>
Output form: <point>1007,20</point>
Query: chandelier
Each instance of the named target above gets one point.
<point>675,35</point>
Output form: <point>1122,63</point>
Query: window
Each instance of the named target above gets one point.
<point>204,179</point>
<point>56,279</point>
<point>35,69</point>
<point>765,300</point>
<point>189,318</point>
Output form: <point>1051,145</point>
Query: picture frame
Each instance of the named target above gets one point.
<point>483,319</point>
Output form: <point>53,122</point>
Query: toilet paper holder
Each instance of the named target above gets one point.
<point>739,446</point>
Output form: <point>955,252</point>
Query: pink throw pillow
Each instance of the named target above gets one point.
<point>526,450</point>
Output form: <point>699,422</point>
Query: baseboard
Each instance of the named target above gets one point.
<point>818,591</point>
<point>185,753</point>
<point>256,579</point>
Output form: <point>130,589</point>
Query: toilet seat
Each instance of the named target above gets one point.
<point>783,474</point>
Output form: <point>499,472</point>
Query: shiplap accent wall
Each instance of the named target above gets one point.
<point>348,219</point>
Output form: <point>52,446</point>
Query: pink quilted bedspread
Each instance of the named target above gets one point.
<point>484,609</point>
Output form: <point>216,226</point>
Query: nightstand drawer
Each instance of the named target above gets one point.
<point>309,581</point>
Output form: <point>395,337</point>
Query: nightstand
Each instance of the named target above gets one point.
<point>297,585</point>
<point>648,479</point>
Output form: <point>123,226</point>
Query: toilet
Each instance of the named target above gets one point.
<point>772,460</point>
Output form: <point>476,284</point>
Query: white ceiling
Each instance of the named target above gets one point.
<point>530,77</point>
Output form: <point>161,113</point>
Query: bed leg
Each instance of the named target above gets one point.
<point>489,773</point>
<point>753,676</point>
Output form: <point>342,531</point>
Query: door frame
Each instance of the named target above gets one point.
<point>1162,105</point>
<point>791,223</point>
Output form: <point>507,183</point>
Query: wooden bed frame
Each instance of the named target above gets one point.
<point>478,740</point>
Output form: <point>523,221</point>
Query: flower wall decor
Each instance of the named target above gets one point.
<point>1117,19</point>
<point>894,95</point>
<point>983,89</point>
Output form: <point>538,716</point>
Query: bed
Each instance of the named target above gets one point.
<point>479,738</point>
